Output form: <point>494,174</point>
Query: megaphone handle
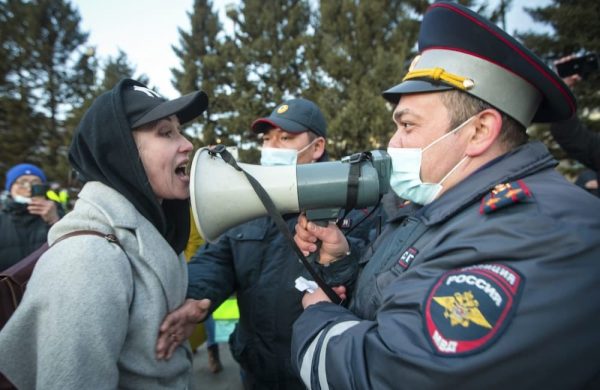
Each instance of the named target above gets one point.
<point>314,257</point>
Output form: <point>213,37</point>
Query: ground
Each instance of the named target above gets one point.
<point>228,379</point>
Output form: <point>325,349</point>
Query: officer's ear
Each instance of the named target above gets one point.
<point>317,148</point>
<point>488,124</point>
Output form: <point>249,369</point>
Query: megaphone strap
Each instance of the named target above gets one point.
<point>353,180</point>
<point>276,216</point>
<point>225,155</point>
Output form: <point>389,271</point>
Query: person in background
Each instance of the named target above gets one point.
<point>492,282</point>
<point>588,180</point>
<point>25,219</point>
<point>93,305</point>
<point>574,137</point>
<point>4,196</point>
<point>257,262</point>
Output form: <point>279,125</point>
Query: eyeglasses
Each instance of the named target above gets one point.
<point>25,183</point>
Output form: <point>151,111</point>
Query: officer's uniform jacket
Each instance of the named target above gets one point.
<point>493,285</point>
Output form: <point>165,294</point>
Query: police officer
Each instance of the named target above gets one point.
<point>492,283</point>
<point>256,261</point>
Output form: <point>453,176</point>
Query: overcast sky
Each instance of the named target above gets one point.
<point>146,30</point>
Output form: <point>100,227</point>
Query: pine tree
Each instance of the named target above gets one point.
<point>266,63</point>
<point>55,25</point>
<point>19,125</point>
<point>117,68</point>
<point>40,40</point>
<point>359,50</point>
<point>202,69</point>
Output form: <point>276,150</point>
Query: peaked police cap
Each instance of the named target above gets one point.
<point>461,50</point>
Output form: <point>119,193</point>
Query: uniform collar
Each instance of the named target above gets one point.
<point>519,163</point>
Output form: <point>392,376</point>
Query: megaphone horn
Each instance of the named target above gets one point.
<point>222,197</point>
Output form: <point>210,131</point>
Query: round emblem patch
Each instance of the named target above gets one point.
<point>467,309</point>
<point>283,108</point>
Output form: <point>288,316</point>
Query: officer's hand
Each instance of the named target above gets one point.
<point>320,296</point>
<point>569,80</point>
<point>179,325</point>
<point>45,208</point>
<point>334,244</point>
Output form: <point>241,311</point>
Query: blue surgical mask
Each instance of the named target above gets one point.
<point>279,156</point>
<point>275,156</point>
<point>405,179</point>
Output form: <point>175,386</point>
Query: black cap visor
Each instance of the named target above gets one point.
<point>186,108</point>
<point>263,124</point>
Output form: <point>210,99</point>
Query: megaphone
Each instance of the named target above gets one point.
<point>222,197</point>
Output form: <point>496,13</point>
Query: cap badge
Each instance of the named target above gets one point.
<point>283,108</point>
<point>468,83</point>
<point>439,74</point>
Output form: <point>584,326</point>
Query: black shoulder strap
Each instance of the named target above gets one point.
<point>353,180</point>
<point>109,237</point>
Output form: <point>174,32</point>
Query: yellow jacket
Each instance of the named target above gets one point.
<point>194,241</point>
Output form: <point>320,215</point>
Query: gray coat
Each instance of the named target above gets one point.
<point>90,316</point>
<point>481,289</point>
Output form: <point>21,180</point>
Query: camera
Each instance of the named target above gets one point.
<point>39,190</point>
<point>583,65</point>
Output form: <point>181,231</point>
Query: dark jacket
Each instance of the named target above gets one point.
<point>21,233</point>
<point>489,286</point>
<point>255,261</point>
<point>578,141</point>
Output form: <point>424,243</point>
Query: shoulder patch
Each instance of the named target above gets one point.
<point>407,257</point>
<point>504,195</point>
<point>467,309</point>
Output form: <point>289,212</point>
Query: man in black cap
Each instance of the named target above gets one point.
<point>492,283</point>
<point>256,261</point>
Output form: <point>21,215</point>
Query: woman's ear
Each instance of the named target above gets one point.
<point>488,125</point>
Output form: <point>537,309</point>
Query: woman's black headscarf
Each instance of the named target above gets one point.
<point>103,149</point>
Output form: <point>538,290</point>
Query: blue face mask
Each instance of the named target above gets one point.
<point>279,156</point>
<point>275,156</point>
<point>405,179</point>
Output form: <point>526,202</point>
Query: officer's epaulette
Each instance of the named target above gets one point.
<point>504,195</point>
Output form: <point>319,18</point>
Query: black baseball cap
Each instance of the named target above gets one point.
<point>143,105</point>
<point>459,49</point>
<point>294,116</point>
